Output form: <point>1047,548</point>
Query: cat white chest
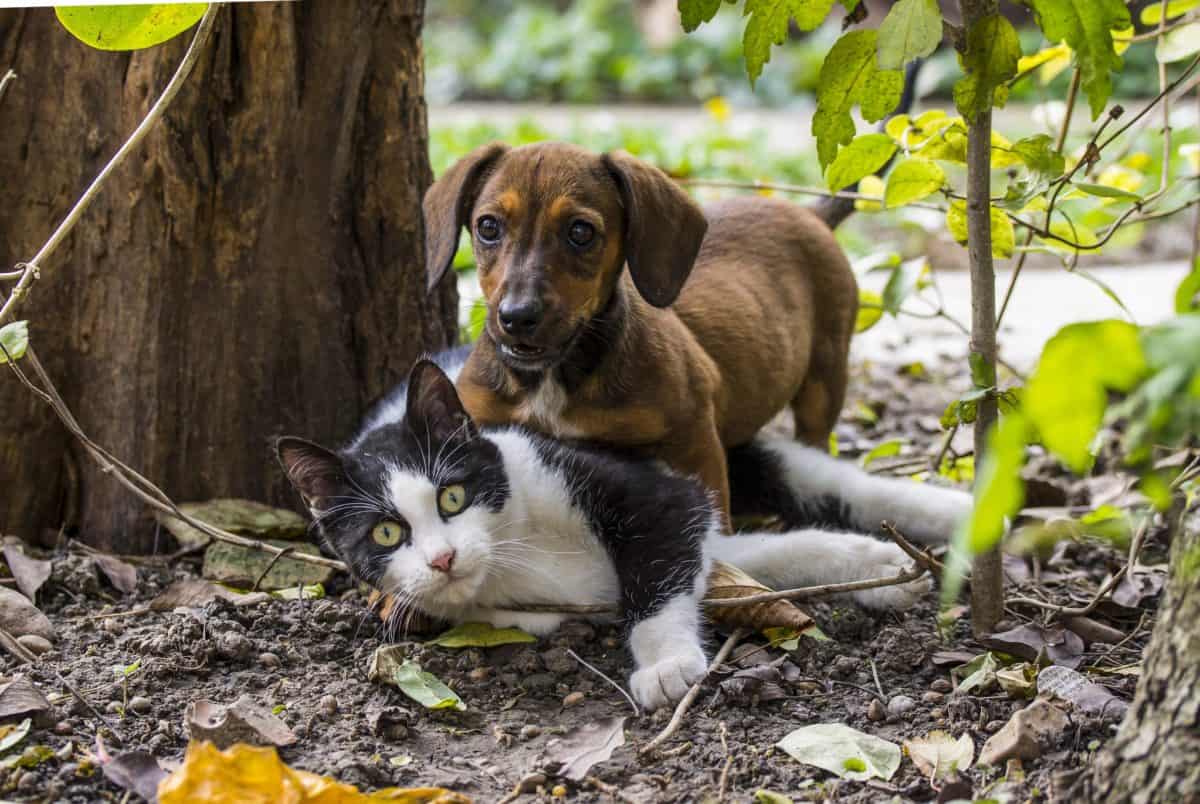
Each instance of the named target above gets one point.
<point>543,410</point>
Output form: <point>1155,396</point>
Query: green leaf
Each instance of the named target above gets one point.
<point>901,284</point>
<point>1004,239</point>
<point>770,797</point>
<point>389,665</point>
<point>1067,395</point>
<point>694,12</point>
<point>1039,155</point>
<point>977,675</point>
<point>912,180</point>
<point>129,27</point>
<point>15,337</point>
<point>481,635</point>
<point>1105,191</point>
<point>1152,14</point>
<point>768,25</point>
<point>1087,26</point>
<point>862,157</point>
<point>842,751</point>
<point>990,61</point>
<point>911,29</point>
<point>1187,295</point>
<point>1000,492</point>
<point>887,449</point>
<point>849,76</point>
<point>314,591</point>
<point>1179,44</point>
<point>870,310</point>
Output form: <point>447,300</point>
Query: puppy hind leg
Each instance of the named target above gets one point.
<point>817,405</point>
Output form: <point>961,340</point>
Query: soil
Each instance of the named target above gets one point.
<point>310,657</point>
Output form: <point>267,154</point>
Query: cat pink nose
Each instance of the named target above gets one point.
<point>443,562</point>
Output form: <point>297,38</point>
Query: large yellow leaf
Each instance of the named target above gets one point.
<point>246,774</point>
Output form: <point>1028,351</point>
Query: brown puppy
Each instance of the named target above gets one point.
<point>725,316</point>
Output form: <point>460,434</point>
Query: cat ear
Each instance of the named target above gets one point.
<point>316,472</point>
<point>434,406</point>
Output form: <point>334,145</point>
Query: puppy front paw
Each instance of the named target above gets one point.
<point>668,679</point>
<point>886,560</point>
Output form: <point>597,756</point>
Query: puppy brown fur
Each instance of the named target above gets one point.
<point>725,316</point>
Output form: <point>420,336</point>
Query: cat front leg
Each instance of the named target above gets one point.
<point>667,652</point>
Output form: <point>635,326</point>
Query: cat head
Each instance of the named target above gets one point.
<point>412,506</point>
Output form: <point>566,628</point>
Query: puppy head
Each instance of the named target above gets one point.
<point>552,227</point>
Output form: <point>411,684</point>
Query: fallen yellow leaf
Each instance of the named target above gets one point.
<point>246,774</point>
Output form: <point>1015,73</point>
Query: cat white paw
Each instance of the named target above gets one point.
<point>668,679</point>
<point>885,560</point>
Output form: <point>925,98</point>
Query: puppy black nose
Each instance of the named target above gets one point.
<point>520,317</point>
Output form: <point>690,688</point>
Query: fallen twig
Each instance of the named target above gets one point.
<point>922,558</point>
<point>817,591</point>
<point>636,711</point>
<point>686,702</point>
<point>609,789</point>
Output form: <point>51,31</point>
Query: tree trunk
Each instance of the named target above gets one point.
<point>1156,755</point>
<point>257,268</point>
<point>987,590</point>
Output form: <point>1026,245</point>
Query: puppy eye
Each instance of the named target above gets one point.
<point>581,233</point>
<point>487,229</point>
<point>387,533</point>
<point>452,499</point>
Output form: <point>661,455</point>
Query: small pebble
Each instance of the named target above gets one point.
<point>937,713</point>
<point>899,705</point>
<point>65,752</point>
<point>932,697</point>
<point>233,645</point>
<point>875,711</point>
<point>268,660</point>
<point>479,674</point>
<point>35,644</point>
<point>112,626</point>
<point>114,707</point>
<point>573,698</point>
<point>28,782</point>
<point>530,731</point>
<point>328,706</point>
<point>942,685</point>
<point>141,704</point>
<point>63,728</point>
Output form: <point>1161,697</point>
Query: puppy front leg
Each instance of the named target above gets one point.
<point>704,456</point>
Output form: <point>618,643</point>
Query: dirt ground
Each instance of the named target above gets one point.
<point>308,660</point>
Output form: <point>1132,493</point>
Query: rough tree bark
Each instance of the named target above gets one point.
<point>256,269</point>
<point>987,599</point>
<point>1156,755</point>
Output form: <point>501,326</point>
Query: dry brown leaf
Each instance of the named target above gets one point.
<point>30,573</point>
<point>20,699</point>
<point>243,721</point>
<point>727,581</point>
<point>122,576</point>
<point>938,755</point>
<point>195,593</point>
<point>246,773</point>
<point>19,616</point>
<point>136,771</point>
<point>574,754</point>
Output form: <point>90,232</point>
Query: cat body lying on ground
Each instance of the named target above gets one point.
<point>464,524</point>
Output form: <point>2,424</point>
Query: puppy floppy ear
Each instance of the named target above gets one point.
<point>314,471</point>
<point>448,204</point>
<point>433,405</point>
<point>664,228</point>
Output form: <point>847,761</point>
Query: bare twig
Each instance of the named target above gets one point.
<point>816,591</point>
<point>270,566</point>
<point>686,702</point>
<point>31,268</point>
<point>922,558</point>
<point>636,711</point>
<point>1075,611</point>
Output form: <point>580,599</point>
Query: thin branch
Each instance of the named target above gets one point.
<point>636,711</point>
<point>29,272</point>
<point>922,558</point>
<point>807,592</point>
<point>686,702</point>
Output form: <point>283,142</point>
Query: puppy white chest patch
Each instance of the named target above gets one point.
<point>543,410</point>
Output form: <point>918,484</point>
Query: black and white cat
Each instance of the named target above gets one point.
<point>463,524</point>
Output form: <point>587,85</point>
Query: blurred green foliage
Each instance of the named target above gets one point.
<point>591,51</point>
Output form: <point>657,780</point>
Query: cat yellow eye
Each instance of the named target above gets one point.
<point>452,499</point>
<point>387,533</point>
